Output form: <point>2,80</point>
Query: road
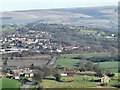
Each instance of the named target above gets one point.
<point>26,86</point>
<point>52,60</point>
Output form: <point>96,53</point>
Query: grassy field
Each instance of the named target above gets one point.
<point>66,59</point>
<point>9,83</point>
<point>67,62</point>
<point>112,66</point>
<point>77,82</point>
<point>0,84</point>
<point>88,31</point>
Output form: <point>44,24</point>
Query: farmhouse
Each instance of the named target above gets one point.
<point>23,72</point>
<point>63,74</point>
<point>105,79</point>
<point>71,73</point>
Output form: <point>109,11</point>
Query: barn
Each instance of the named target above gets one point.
<point>71,73</point>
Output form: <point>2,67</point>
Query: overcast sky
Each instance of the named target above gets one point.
<point>12,5</point>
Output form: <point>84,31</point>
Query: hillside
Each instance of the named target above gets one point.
<point>98,17</point>
<point>86,39</point>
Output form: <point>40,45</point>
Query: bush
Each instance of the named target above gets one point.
<point>57,75</point>
<point>111,74</point>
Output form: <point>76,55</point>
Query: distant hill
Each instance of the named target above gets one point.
<point>98,17</point>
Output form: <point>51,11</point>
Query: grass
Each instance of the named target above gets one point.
<point>0,84</point>
<point>9,83</point>
<point>113,83</point>
<point>78,82</point>
<point>67,62</point>
<point>111,66</point>
<point>88,31</point>
<point>66,59</point>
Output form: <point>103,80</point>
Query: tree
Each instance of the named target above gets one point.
<point>58,67</point>
<point>99,71</point>
<point>47,70</point>
<point>89,66</point>
<point>32,66</point>
<point>57,75</point>
<point>111,74</point>
<point>4,66</point>
<point>38,75</point>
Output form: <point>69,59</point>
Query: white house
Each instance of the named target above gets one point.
<point>63,74</point>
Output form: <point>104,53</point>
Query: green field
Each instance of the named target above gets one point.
<point>77,82</point>
<point>67,62</point>
<point>9,83</point>
<point>88,31</point>
<point>66,59</point>
<point>112,66</point>
<point>0,84</point>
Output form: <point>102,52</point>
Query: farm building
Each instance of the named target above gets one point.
<point>105,79</point>
<point>64,74</point>
<point>26,73</point>
<point>71,73</point>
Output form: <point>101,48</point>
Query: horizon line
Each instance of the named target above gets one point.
<point>59,8</point>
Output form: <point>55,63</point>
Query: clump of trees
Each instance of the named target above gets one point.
<point>57,75</point>
<point>42,72</point>
<point>98,58</point>
<point>4,66</point>
<point>89,66</point>
<point>104,58</point>
<point>38,75</point>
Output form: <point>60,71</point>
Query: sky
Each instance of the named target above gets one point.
<point>13,5</point>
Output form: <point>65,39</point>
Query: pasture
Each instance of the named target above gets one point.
<point>111,66</point>
<point>67,62</point>
<point>9,83</point>
<point>67,59</point>
<point>69,82</point>
<point>88,31</point>
<point>75,82</point>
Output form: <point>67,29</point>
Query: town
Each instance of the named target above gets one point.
<point>38,53</point>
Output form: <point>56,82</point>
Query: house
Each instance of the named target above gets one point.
<point>28,73</point>
<point>8,75</point>
<point>17,77</point>
<point>64,74</point>
<point>58,50</point>
<point>113,35</point>
<point>71,74</point>
<point>105,79</point>
<point>23,73</point>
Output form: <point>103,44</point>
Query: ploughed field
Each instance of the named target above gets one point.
<point>37,60</point>
<point>23,63</point>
